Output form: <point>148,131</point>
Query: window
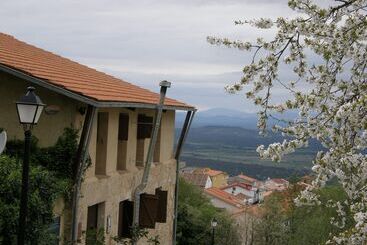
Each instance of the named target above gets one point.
<point>95,223</point>
<point>102,138</point>
<point>123,136</point>
<point>144,131</point>
<point>125,221</point>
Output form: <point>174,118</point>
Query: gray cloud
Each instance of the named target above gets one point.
<point>147,41</point>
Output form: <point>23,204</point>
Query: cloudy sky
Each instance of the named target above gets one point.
<point>147,41</point>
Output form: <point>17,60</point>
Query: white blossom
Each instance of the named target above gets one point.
<point>334,109</point>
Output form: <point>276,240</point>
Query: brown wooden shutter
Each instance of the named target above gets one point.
<point>148,210</point>
<point>125,221</point>
<point>162,206</point>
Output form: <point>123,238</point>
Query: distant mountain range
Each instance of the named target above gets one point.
<point>220,117</point>
<point>227,117</point>
<point>227,140</point>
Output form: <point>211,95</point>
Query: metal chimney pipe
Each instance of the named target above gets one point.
<point>157,123</point>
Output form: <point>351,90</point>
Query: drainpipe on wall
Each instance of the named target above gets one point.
<point>80,162</point>
<point>157,122</point>
<point>185,129</point>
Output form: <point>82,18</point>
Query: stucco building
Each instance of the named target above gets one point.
<point>116,118</point>
<point>218,178</point>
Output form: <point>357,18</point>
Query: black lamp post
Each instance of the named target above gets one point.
<point>214,223</point>
<point>29,109</point>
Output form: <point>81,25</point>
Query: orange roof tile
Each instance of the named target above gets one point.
<point>280,181</point>
<point>238,184</point>
<point>248,178</point>
<point>197,179</point>
<point>72,76</point>
<point>212,172</point>
<point>224,196</point>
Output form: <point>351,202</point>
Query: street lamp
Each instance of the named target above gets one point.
<point>214,223</point>
<point>29,109</point>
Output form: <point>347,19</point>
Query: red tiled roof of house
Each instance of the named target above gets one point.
<point>212,172</point>
<point>72,76</point>
<point>248,178</point>
<point>280,181</point>
<point>208,171</point>
<point>224,196</point>
<point>196,179</point>
<point>238,184</point>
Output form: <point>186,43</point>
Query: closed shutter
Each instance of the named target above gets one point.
<point>162,206</point>
<point>148,210</point>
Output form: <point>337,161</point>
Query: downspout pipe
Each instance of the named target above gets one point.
<point>180,143</point>
<point>79,167</point>
<point>157,123</point>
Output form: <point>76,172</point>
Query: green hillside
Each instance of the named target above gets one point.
<point>233,149</point>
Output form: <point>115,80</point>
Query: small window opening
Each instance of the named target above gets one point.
<point>125,221</point>
<point>144,131</point>
<point>102,138</point>
<point>95,223</point>
<point>123,137</point>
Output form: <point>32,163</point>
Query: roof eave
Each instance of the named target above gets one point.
<point>85,99</point>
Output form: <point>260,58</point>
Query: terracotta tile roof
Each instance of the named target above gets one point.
<point>224,196</point>
<point>248,178</point>
<point>208,171</point>
<point>73,76</point>
<point>196,179</point>
<point>280,181</point>
<point>212,172</point>
<point>238,184</point>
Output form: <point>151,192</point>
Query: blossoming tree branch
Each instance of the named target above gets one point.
<point>325,48</point>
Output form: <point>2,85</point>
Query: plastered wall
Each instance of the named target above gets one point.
<point>113,186</point>
<point>49,127</point>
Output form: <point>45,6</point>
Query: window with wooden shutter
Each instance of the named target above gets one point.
<point>148,210</point>
<point>125,221</point>
<point>162,206</point>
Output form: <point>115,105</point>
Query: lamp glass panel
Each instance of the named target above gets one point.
<point>39,112</point>
<point>26,113</point>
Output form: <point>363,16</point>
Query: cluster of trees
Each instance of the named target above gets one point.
<point>195,213</point>
<point>280,221</point>
<point>285,223</point>
<point>50,178</point>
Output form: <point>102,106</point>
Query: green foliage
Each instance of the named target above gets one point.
<point>311,225</point>
<point>95,237</point>
<point>284,223</point>
<point>43,190</point>
<point>273,228</point>
<point>195,213</point>
<point>50,178</point>
<point>60,157</point>
<point>136,234</point>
